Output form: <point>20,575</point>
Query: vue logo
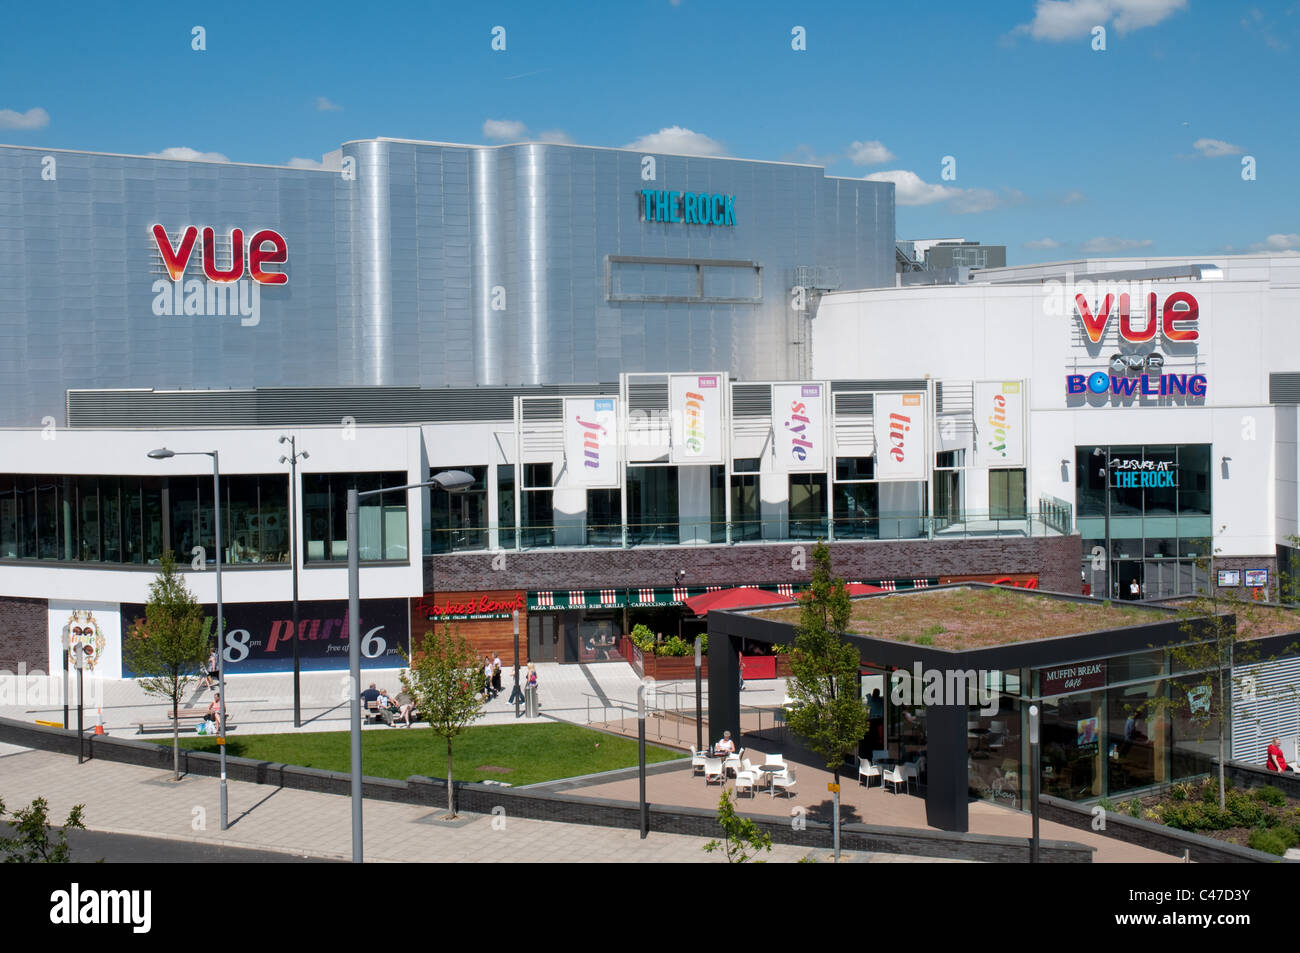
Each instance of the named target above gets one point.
<point>256,253</point>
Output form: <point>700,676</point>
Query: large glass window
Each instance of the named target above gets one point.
<point>807,505</point>
<point>538,498</point>
<point>604,517</point>
<point>460,520</point>
<point>506,505</point>
<point>857,502</point>
<point>746,507</point>
<point>652,505</point>
<point>382,519</point>
<point>1007,494</point>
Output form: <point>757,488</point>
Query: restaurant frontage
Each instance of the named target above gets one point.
<point>1113,721</point>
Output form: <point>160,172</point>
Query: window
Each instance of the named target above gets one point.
<point>746,509</point>
<point>1006,494</point>
<point>652,505</point>
<point>604,517</point>
<point>857,501</point>
<point>506,505</point>
<point>807,505</point>
<point>538,500</point>
<point>382,519</point>
<point>459,521</point>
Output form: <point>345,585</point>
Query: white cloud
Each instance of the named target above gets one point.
<point>805,153</point>
<point>969,201</point>
<point>871,152</point>
<point>1288,244</point>
<point>678,141</point>
<point>297,163</point>
<point>1042,243</point>
<point>188,154</point>
<point>325,106</point>
<point>504,129</point>
<point>1214,148</point>
<point>34,118</point>
<point>1103,244</point>
<point>555,135</point>
<point>1073,197</point>
<point>1069,19</point>
<point>911,189</point>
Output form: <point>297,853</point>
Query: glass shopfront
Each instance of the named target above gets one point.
<point>1156,533</point>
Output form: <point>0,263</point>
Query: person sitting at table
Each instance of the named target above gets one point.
<point>214,713</point>
<point>726,745</point>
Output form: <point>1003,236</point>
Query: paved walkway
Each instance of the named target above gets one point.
<point>128,799</point>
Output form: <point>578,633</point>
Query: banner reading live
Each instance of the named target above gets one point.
<point>259,635</point>
<point>798,421</point>
<point>1000,424</point>
<point>591,441</point>
<point>900,436</point>
<point>695,403</point>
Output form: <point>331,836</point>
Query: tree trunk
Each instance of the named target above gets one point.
<point>451,792</point>
<point>1225,712</point>
<point>176,740</point>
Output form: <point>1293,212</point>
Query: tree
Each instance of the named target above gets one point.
<point>743,837</point>
<point>827,711</point>
<point>169,647</point>
<point>32,845</point>
<point>443,680</point>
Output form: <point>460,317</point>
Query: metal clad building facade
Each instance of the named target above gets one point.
<point>432,265</point>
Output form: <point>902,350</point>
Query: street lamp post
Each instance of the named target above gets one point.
<point>699,695</point>
<point>1106,483</point>
<point>453,481</point>
<point>516,695</point>
<point>1034,769</point>
<point>292,460</point>
<point>164,454</point>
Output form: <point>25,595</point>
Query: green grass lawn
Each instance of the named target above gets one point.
<point>516,754</point>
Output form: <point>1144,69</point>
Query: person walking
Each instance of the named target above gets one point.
<point>496,673</point>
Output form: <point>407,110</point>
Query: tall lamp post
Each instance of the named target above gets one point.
<point>452,481</point>
<point>1035,767</point>
<point>164,454</point>
<point>292,460</point>
<point>1106,483</point>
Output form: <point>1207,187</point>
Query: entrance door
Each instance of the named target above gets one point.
<point>543,637</point>
<point>1129,572</point>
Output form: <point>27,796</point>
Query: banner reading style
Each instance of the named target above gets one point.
<point>259,635</point>
<point>591,441</point>
<point>696,408</point>
<point>799,423</point>
<point>1000,424</point>
<point>900,436</point>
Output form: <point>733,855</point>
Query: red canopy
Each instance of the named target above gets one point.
<point>742,598</point>
<point>861,589</point>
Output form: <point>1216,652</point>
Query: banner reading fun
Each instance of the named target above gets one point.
<point>590,441</point>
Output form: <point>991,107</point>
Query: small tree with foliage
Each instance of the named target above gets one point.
<point>827,711</point>
<point>32,844</point>
<point>169,647</point>
<point>443,681</point>
<point>743,838</point>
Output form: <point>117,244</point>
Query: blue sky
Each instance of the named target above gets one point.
<point>1060,150</point>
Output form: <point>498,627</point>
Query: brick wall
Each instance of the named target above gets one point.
<point>24,633</point>
<point>1055,559</point>
<point>1242,563</point>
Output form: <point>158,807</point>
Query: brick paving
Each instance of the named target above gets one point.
<point>127,799</point>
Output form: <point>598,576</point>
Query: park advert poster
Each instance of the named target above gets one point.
<point>259,635</point>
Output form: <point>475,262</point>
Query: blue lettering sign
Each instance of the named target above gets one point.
<point>687,208</point>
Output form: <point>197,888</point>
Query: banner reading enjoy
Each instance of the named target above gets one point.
<point>591,441</point>
<point>696,408</point>
<point>799,426</point>
<point>999,424</point>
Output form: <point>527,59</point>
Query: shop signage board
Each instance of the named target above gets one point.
<point>259,635</point>
<point>687,208</point>
<point>469,606</point>
<point>696,409</point>
<point>591,441</point>
<point>799,426</point>
<point>1067,679</point>
<point>86,625</point>
<point>1000,424</point>
<point>1138,474</point>
<point>900,436</point>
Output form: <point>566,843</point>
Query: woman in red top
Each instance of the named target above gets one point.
<point>1276,760</point>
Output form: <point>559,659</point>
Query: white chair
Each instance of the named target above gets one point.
<point>731,764</point>
<point>785,782</point>
<point>745,782</point>
<point>893,776</point>
<point>867,770</point>
<point>713,771</point>
<point>697,761</point>
<point>910,773</point>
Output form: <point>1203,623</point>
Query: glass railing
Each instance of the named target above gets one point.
<point>571,533</point>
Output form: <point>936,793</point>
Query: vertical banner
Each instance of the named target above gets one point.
<point>92,628</point>
<point>900,436</point>
<point>695,402</point>
<point>1000,423</point>
<point>799,425</point>
<point>591,441</point>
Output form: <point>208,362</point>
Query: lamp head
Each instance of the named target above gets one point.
<point>162,453</point>
<point>453,481</point>
<point>304,454</point>
<point>283,439</point>
<point>284,459</point>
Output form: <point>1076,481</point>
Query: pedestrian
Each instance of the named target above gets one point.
<point>487,677</point>
<point>496,672</point>
<point>532,683</point>
<point>210,669</point>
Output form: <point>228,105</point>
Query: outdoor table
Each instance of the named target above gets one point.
<point>771,771</point>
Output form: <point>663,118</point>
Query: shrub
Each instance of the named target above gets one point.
<point>924,640</point>
<point>1245,810</point>
<point>1135,808</point>
<point>643,638</point>
<point>676,646</point>
<point>935,630</point>
<point>1271,796</point>
<point>1181,791</point>
<point>1268,841</point>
